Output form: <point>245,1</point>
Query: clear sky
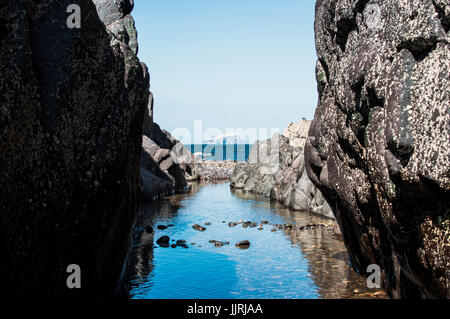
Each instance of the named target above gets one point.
<point>230,63</point>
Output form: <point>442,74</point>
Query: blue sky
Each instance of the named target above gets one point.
<point>231,64</point>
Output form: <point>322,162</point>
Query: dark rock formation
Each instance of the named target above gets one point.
<point>276,169</point>
<point>379,144</point>
<point>166,164</point>
<point>72,104</point>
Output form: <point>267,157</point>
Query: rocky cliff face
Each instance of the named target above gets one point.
<point>379,144</point>
<point>166,165</point>
<point>72,105</point>
<point>276,169</point>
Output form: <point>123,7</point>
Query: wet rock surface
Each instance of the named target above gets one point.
<point>378,148</point>
<point>72,106</point>
<point>243,244</point>
<point>276,169</point>
<point>199,228</point>
<point>163,241</point>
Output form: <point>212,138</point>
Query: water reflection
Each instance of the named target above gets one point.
<point>311,263</point>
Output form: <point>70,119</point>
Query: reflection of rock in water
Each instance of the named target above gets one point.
<point>325,251</point>
<point>167,207</point>
<point>328,261</point>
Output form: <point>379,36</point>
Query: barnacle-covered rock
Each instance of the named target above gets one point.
<point>378,147</point>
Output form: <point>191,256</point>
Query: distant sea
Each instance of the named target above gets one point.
<point>221,152</point>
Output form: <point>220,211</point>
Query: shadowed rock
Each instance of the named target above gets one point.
<point>72,106</point>
<point>163,241</point>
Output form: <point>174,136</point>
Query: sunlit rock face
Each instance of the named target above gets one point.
<point>378,147</point>
<point>72,105</point>
<point>276,169</point>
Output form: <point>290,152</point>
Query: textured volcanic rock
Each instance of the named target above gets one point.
<point>379,144</point>
<point>276,169</point>
<point>72,104</point>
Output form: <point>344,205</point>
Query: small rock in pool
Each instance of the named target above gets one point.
<point>219,244</point>
<point>253,225</point>
<point>223,222</point>
<point>198,227</point>
<point>240,221</point>
<point>149,229</point>
<point>193,244</point>
<point>163,241</point>
<point>231,224</point>
<point>260,228</point>
<point>173,246</point>
<point>181,242</point>
<point>170,225</point>
<point>161,227</point>
<point>208,223</point>
<point>273,230</point>
<point>243,244</point>
<point>264,222</point>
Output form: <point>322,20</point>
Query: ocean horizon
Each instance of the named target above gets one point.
<point>221,152</point>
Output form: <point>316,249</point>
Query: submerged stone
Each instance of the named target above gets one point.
<point>243,244</point>
<point>163,241</point>
<point>198,227</point>
<point>149,229</point>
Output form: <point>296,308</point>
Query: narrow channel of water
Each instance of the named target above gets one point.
<point>290,264</point>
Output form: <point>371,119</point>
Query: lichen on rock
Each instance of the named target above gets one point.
<point>378,147</point>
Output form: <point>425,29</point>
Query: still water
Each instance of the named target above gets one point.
<point>309,263</point>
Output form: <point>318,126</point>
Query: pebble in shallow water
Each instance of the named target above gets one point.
<point>198,227</point>
<point>163,241</point>
<point>243,244</point>
<point>219,244</point>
